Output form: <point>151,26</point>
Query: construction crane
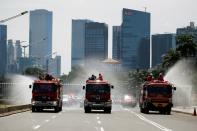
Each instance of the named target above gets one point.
<point>5,20</point>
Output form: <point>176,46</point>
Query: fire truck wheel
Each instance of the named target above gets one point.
<point>106,110</point>
<point>141,110</point>
<point>56,109</point>
<point>146,110</point>
<point>33,109</point>
<point>168,111</point>
<point>60,108</point>
<point>87,110</point>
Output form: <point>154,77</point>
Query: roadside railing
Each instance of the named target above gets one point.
<point>17,93</point>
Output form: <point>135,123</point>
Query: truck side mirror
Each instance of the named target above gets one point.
<point>84,87</point>
<point>29,86</point>
<point>112,86</point>
<point>174,88</point>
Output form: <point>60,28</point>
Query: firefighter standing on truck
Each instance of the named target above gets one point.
<point>149,77</point>
<point>160,77</point>
<point>100,77</point>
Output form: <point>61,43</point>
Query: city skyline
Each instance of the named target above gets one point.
<point>162,19</point>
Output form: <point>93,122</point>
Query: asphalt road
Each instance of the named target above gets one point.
<point>121,119</point>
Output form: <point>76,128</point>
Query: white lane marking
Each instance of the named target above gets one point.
<point>36,127</point>
<point>96,128</point>
<point>99,122</point>
<point>151,122</point>
<point>97,117</point>
<point>102,129</point>
<point>54,117</point>
<point>47,120</point>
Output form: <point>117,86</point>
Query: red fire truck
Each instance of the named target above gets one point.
<point>47,94</point>
<point>156,95</point>
<point>97,96</point>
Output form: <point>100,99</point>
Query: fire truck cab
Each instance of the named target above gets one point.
<point>97,96</point>
<point>156,95</point>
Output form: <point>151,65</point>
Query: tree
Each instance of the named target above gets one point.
<point>34,71</point>
<point>170,58</point>
<point>186,46</point>
<point>76,72</point>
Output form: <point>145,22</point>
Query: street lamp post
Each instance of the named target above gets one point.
<point>24,46</point>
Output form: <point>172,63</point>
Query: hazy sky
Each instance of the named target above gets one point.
<point>166,16</point>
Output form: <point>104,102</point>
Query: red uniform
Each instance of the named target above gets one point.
<point>160,78</point>
<point>100,77</point>
<point>149,78</point>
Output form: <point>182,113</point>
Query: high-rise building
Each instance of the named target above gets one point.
<point>3,49</point>
<point>40,35</point>
<point>144,53</point>
<point>161,44</point>
<point>54,66</point>
<point>25,62</point>
<point>78,42</point>
<point>135,26</point>
<point>116,52</point>
<point>18,50</point>
<point>96,41</point>
<point>189,30</point>
<point>10,52</point>
<point>89,42</point>
<point>11,61</point>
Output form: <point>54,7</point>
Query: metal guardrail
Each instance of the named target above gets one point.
<point>4,90</point>
<point>13,91</point>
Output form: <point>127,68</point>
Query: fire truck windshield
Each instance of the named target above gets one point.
<point>44,88</point>
<point>165,90</point>
<point>94,88</point>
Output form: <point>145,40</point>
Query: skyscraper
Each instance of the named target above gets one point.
<point>116,52</point>
<point>135,26</point>
<point>89,42</point>
<point>11,61</point>
<point>40,35</point>
<point>78,42</point>
<point>54,66</point>
<point>144,53</point>
<point>96,41</point>
<point>10,52</point>
<point>161,44</point>
<point>189,30</point>
<point>18,50</point>
<point>3,49</point>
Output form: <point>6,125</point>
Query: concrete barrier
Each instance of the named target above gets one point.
<point>185,110</point>
<point>14,109</point>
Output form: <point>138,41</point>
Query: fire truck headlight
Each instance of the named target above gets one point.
<point>55,103</point>
<point>33,102</point>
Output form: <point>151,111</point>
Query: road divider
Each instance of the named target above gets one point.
<point>5,111</point>
<point>185,110</point>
